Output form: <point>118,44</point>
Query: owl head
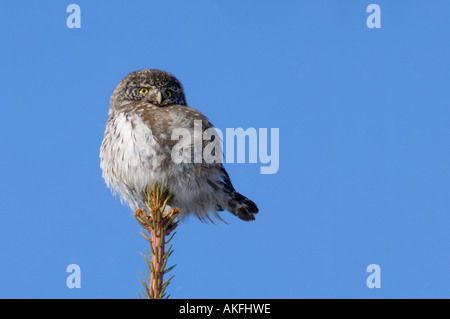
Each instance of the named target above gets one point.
<point>148,85</point>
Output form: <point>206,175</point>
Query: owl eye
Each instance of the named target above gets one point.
<point>169,93</point>
<point>143,91</point>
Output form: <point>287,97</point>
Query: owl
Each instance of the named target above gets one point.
<point>146,107</point>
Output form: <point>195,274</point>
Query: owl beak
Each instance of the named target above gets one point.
<point>156,96</point>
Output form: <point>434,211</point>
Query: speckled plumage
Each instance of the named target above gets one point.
<point>136,150</point>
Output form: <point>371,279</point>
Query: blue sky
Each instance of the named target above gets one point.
<point>364,155</point>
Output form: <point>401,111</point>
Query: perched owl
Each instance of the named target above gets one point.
<point>136,152</point>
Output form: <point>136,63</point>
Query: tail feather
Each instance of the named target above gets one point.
<point>242,207</point>
<point>238,204</point>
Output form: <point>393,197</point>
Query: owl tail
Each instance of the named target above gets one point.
<point>242,207</point>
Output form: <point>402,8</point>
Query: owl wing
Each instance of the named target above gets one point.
<point>174,117</point>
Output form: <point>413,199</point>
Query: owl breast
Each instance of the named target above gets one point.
<point>130,158</point>
<point>136,153</point>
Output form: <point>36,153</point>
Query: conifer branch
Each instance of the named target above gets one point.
<point>159,224</point>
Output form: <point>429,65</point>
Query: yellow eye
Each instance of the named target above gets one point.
<point>169,93</point>
<point>143,91</point>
